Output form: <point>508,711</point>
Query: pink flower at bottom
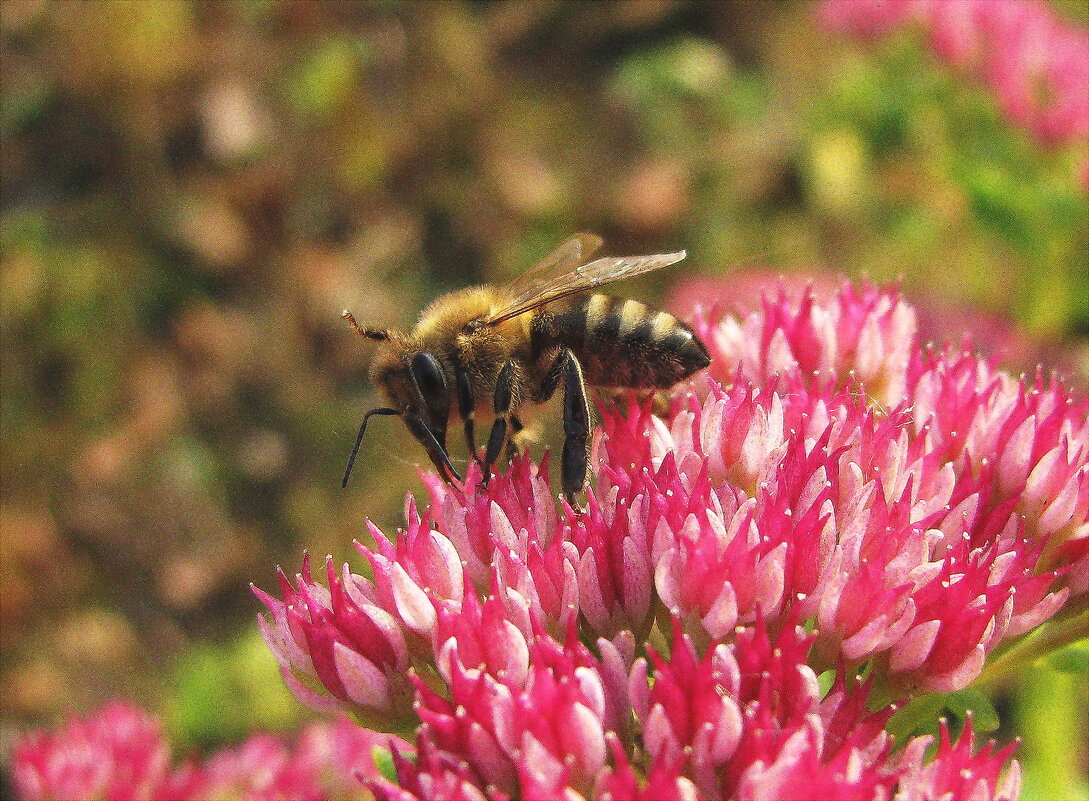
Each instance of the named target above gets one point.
<point>120,753</point>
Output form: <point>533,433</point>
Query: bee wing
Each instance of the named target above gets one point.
<point>580,278</point>
<point>573,252</point>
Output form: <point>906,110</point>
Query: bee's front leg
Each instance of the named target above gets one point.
<point>505,387</point>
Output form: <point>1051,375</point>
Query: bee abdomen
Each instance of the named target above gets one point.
<point>623,343</point>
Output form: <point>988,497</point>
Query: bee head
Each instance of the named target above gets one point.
<point>414,384</point>
<point>412,380</point>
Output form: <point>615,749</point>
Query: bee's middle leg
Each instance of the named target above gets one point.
<point>503,399</point>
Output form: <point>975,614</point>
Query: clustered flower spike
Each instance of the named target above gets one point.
<point>830,498</point>
<point>120,753</point>
<point>1035,63</point>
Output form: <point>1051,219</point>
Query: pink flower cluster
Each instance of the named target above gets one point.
<point>121,754</point>
<point>832,497</point>
<point>1036,64</point>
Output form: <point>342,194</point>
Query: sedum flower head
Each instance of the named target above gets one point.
<point>120,753</point>
<point>831,498</point>
<point>833,506</point>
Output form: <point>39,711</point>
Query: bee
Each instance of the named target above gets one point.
<point>489,350</point>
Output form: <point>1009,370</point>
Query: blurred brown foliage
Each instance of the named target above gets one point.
<point>193,191</point>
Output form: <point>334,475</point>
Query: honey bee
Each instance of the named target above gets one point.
<point>489,350</point>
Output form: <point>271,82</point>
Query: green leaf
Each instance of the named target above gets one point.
<point>918,716</point>
<point>1072,659</point>
<point>325,79</point>
<point>222,692</point>
<point>984,715</point>
<point>383,760</point>
<point>1049,712</point>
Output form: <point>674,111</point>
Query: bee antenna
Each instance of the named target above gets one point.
<point>377,334</point>
<point>359,439</point>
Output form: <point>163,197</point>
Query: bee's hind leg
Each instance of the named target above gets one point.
<point>576,422</point>
<point>505,390</point>
<point>576,429</point>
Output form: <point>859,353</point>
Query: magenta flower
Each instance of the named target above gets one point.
<point>337,638</point>
<point>955,772</point>
<point>118,754</point>
<point>121,754</point>
<point>744,721</point>
<point>832,497</point>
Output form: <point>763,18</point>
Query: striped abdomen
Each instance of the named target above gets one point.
<point>620,343</point>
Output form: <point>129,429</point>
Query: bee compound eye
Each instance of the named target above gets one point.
<point>429,377</point>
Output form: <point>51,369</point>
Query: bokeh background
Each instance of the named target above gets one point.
<point>192,191</point>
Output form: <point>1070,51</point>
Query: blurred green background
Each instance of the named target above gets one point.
<point>193,191</point>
